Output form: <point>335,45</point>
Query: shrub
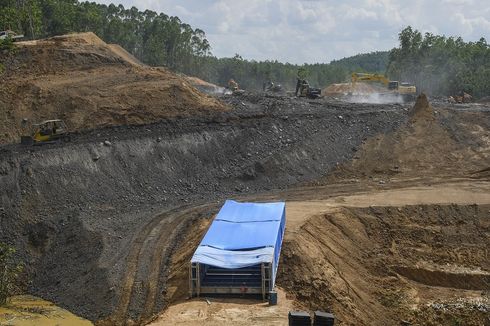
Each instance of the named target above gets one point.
<point>9,273</point>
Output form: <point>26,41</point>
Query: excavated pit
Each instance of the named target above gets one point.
<point>386,264</point>
<point>88,217</point>
<point>98,220</point>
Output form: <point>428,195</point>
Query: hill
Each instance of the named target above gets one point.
<point>89,84</point>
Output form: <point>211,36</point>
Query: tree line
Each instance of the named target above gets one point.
<point>252,74</point>
<point>154,38</point>
<point>438,65</point>
<point>441,65</point>
<point>161,40</point>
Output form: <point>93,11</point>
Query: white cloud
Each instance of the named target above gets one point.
<point>310,31</point>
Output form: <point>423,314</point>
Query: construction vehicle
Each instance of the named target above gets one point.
<point>303,89</point>
<point>233,88</point>
<point>406,90</point>
<point>47,132</point>
<point>10,34</point>
<point>270,86</point>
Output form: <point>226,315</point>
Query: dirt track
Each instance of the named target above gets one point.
<point>106,224</point>
<point>335,242</point>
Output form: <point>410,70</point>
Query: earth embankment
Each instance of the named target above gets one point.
<point>89,84</point>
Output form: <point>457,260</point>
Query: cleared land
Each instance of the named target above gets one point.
<point>387,204</point>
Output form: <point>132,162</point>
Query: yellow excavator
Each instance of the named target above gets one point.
<point>407,90</point>
<point>46,132</point>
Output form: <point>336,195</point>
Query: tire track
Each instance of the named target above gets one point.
<point>167,227</point>
<point>119,316</point>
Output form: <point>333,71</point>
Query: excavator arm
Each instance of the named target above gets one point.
<point>357,76</point>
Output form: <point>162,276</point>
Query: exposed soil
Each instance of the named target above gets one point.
<point>89,84</point>
<point>106,223</point>
<point>349,88</point>
<point>434,143</point>
<point>379,263</point>
<point>100,208</point>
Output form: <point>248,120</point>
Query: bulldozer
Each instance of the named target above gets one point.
<point>406,90</point>
<point>46,132</point>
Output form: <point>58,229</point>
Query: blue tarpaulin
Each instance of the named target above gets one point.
<point>243,235</point>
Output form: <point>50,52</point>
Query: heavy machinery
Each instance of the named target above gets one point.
<point>46,132</point>
<point>232,88</point>
<point>10,34</point>
<point>303,89</point>
<point>270,86</point>
<point>407,90</point>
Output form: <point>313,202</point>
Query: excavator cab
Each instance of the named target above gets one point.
<point>47,132</point>
<point>393,85</point>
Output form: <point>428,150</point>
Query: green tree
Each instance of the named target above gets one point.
<point>441,65</point>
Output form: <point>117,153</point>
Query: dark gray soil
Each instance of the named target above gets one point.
<point>80,212</point>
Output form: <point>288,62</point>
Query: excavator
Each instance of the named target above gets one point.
<point>46,132</point>
<point>406,90</point>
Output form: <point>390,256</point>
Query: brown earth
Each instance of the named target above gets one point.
<point>89,84</point>
<point>346,88</point>
<point>386,264</point>
<point>424,148</point>
<point>204,86</point>
<point>399,231</point>
<point>400,234</point>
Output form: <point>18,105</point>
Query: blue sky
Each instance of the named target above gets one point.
<point>299,31</point>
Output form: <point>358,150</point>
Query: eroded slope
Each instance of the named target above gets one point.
<point>88,84</point>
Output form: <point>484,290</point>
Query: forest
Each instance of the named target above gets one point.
<point>439,65</point>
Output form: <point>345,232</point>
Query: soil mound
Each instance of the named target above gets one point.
<point>349,88</point>
<point>204,86</point>
<point>89,84</point>
<point>438,142</point>
<point>422,109</point>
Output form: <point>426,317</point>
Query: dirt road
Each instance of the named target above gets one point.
<point>361,295</point>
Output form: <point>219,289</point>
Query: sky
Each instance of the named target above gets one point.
<point>311,31</point>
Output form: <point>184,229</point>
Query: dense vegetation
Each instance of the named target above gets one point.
<point>156,39</point>
<point>436,64</point>
<point>441,65</point>
<point>251,74</point>
<point>160,40</point>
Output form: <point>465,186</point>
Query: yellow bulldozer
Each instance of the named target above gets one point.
<point>407,90</point>
<point>46,132</point>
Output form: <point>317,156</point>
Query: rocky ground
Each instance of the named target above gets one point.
<point>81,206</point>
<point>107,222</point>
